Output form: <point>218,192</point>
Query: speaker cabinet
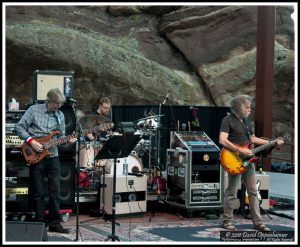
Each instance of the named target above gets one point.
<point>25,231</point>
<point>263,186</point>
<point>68,149</point>
<point>44,80</point>
<point>67,183</point>
<point>130,194</point>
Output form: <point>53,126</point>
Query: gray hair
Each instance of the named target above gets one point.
<point>55,95</point>
<point>238,101</point>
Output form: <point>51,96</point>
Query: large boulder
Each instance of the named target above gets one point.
<point>201,55</point>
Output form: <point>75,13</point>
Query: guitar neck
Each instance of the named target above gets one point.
<point>59,141</point>
<point>65,139</point>
<point>263,147</point>
<point>90,131</point>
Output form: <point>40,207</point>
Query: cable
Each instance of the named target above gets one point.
<point>128,206</point>
<point>281,215</point>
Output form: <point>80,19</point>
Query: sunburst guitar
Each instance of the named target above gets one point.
<point>235,163</point>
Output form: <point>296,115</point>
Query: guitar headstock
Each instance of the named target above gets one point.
<point>287,137</point>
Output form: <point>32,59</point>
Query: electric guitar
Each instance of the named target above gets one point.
<point>235,163</point>
<point>33,157</point>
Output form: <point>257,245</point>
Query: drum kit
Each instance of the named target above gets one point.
<point>94,169</point>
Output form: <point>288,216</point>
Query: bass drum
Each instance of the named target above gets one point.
<point>134,165</point>
<point>87,155</point>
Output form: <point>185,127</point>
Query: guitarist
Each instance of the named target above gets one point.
<point>39,121</point>
<point>234,133</point>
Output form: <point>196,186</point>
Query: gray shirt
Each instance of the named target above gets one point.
<point>39,122</point>
<point>238,132</point>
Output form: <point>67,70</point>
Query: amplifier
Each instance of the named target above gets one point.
<point>44,80</point>
<point>10,128</point>
<point>16,168</point>
<point>263,186</point>
<point>13,141</point>
<point>17,193</point>
<point>13,117</point>
<point>130,194</point>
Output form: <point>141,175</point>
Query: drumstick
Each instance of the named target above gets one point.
<point>189,125</point>
<point>177,125</point>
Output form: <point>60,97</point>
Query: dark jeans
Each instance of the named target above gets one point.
<point>47,168</point>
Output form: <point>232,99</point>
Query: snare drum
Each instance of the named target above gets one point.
<point>87,155</point>
<point>134,164</point>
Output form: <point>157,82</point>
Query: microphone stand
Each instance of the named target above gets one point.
<point>77,167</point>
<point>158,137</point>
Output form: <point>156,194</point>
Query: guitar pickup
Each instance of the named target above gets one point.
<point>28,151</point>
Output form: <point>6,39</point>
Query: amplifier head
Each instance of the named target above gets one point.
<point>13,117</point>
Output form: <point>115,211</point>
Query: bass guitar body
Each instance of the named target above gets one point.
<point>33,157</point>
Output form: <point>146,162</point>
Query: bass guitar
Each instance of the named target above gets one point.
<point>235,163</point>
<point>33,157</point>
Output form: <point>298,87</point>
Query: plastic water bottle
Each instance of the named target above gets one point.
<point>125,168</point>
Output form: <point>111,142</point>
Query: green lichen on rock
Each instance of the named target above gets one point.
<point>124,66</point>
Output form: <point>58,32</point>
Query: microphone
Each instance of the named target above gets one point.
<point>135,174</point>
<point>166,98</point>
<point>69,99</point>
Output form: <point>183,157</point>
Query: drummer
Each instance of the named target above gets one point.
<point>104,109</point>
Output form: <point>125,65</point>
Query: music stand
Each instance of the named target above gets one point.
<point>118,146</point>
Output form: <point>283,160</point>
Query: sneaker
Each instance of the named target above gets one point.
<point>58,228</point>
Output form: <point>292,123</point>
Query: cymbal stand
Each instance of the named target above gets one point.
<point>150,149</point>
<point>101,185</point>
<point>157,200</point>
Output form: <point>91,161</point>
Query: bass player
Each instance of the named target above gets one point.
<point>39,121</point>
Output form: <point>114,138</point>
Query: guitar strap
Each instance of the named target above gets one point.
<point>248,131</point>
<point>262,153</point>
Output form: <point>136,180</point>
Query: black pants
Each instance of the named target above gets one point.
<point>47,168</point>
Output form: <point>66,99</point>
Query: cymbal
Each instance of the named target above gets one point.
<point>150,117</point>
<point>92,120</point>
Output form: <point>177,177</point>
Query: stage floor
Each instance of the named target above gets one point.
<point>162,227</point>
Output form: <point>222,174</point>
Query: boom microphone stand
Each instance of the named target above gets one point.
<point>73,103</point>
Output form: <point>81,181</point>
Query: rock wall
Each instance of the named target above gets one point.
<point>202,55</point>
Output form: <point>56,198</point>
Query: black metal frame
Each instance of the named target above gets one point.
<point>118,146</point>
